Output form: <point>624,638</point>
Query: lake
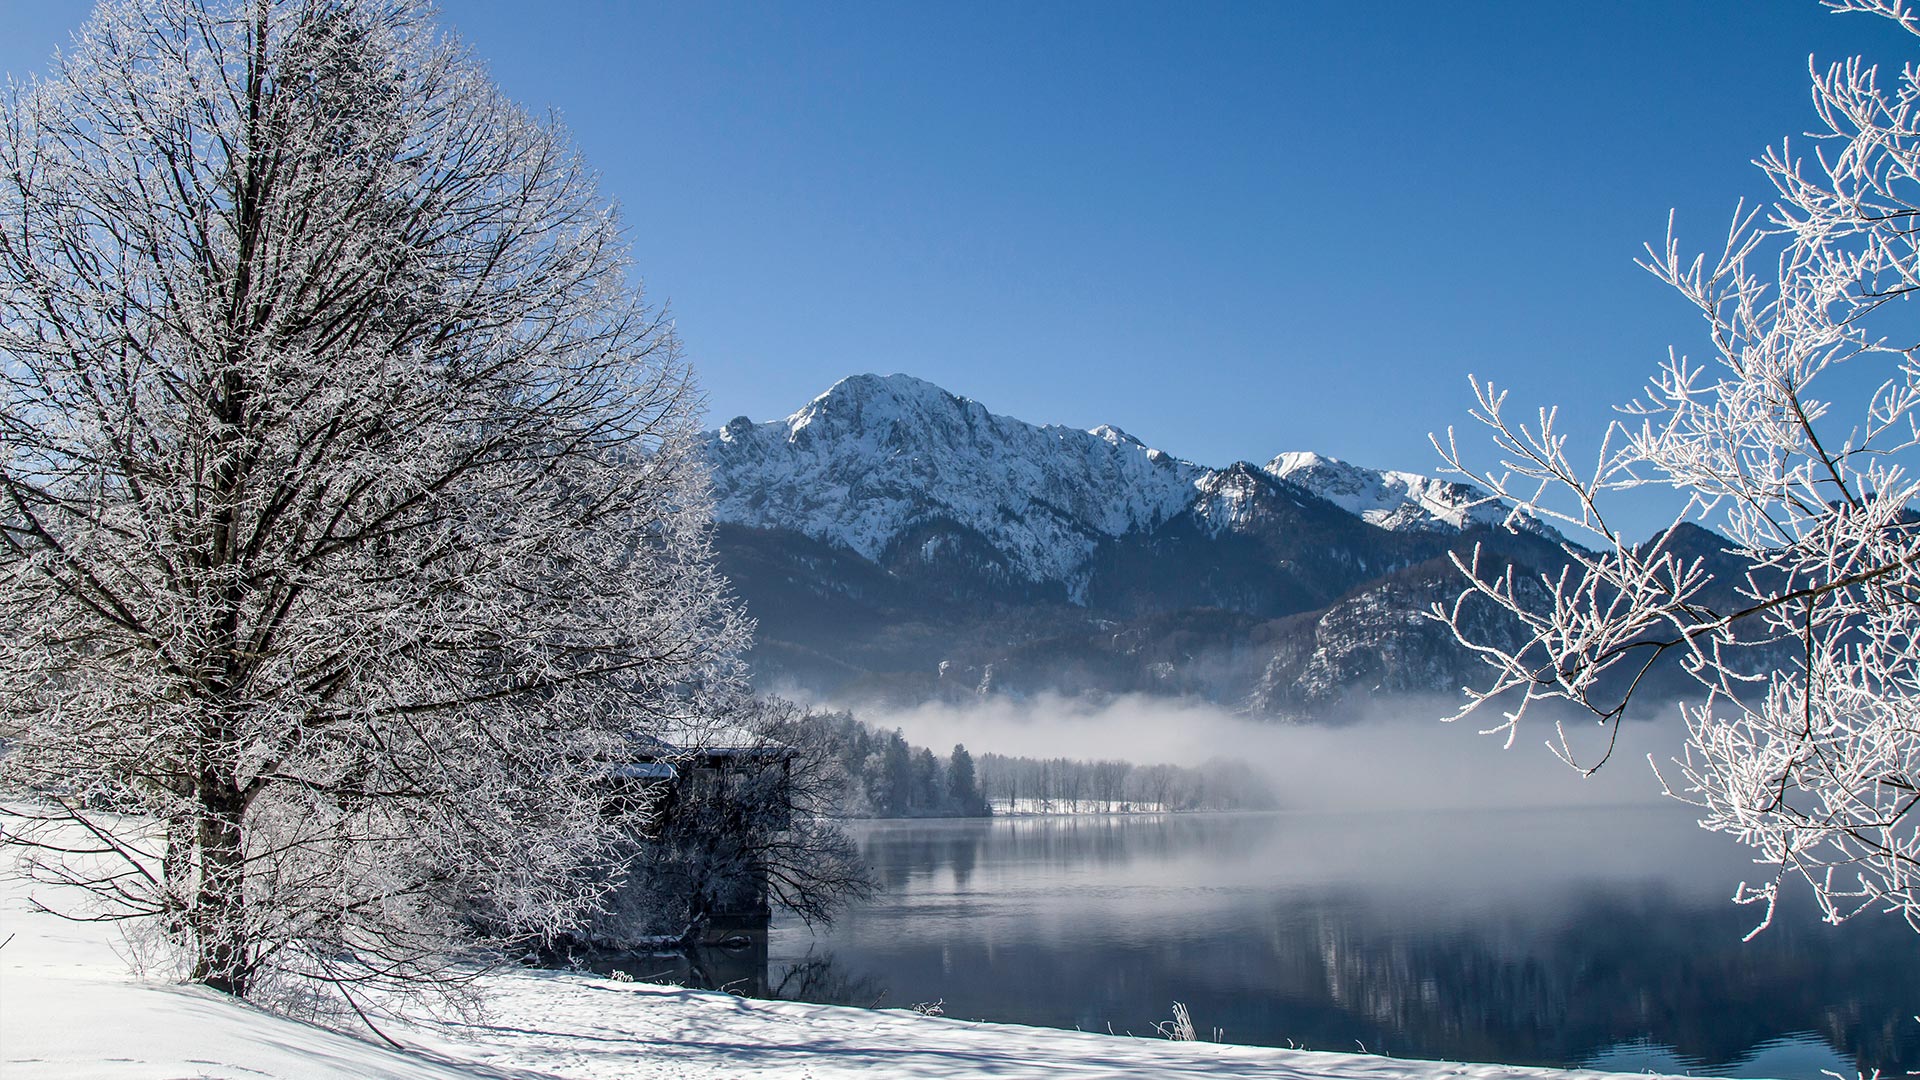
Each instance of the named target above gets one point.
<point>1597,937</point>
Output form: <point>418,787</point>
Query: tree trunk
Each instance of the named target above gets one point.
<point>218,911</point>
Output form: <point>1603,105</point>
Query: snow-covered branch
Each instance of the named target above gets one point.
<point>1796,437</point>
<point>351,515</point>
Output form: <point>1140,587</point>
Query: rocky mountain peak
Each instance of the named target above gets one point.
<point>861,404</point>
<point>879,455</point>
<point>1115,436</point>
<point>1397,501</point>
<point>878,458</point>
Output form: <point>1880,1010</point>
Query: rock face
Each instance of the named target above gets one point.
<point>1399,501</point>
<point>878,463</point>
<point>898,542</point>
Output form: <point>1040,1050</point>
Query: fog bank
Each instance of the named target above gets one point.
<point>1403,758</point>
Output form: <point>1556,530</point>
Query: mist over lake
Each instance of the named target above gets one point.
<point>1595,935</point>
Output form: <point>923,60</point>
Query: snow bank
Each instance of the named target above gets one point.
<point>69,1009</point>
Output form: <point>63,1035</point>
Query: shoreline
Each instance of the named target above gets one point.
<point>74,1011</point>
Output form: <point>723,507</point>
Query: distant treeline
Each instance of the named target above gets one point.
<point>1068,785</point>
<point>887,777</point>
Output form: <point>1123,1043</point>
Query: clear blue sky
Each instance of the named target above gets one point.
<point>1231,229</point>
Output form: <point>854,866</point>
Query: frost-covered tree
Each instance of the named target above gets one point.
<point>963,788</point>
<point>350,511</point>
<point>1797,436</point>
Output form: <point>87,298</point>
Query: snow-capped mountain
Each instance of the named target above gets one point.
<point>864,463</point>
<point>878,460</point>
<point>895,540</point>
<point>1397,500</point>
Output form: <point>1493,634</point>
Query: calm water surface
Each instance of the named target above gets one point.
<point>1596,937</point>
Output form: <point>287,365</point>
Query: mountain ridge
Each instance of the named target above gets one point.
<point>874,455</point>
<point>898,543</point>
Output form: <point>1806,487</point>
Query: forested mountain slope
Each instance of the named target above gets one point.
<point>899,543</point>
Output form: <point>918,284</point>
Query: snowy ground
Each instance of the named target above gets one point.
<point>70,1009</point>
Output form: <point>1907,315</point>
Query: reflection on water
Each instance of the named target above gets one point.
<point>1561,937</point>
<point>1805,1054</point>
<point>730,956</point>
